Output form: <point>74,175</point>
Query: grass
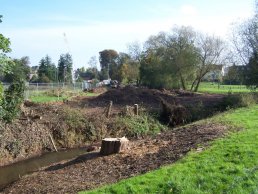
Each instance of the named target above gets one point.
<point>209,87</point>
<point>42,97</point>
<point>229,165</point>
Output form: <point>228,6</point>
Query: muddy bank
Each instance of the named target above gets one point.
<point>91,170</point>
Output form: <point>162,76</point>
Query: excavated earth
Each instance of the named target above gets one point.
<point>28,136</point>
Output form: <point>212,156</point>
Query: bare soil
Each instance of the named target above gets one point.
<point>92,170</point>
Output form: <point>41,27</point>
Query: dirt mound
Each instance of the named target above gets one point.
<point>151,98</point>
<point>91,170</point>
<point>128,96</point>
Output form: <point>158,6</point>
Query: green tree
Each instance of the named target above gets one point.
<point>65,65</point>
<point>170,59</point>
<point>19,71</point>
<point>12,97</point>
<point>5,43</point>
<point>108,63</point>
<point>47,70</point>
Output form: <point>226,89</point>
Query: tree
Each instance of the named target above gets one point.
<point>5,43</point>
<point>235,75</point>
<point>88,74</point>
<point>93,62</point>
<point>128,69</point>
<point>12,97</point>
<point>65,65</point>
<point>170,57</point>
<point>19,71</point>
<point>245,41</point>
<point>108,63</point>
<point>210,50</point>
<point>47,70</point>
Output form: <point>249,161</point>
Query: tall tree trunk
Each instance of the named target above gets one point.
<point>192,86</point>
<point>197,85</point>
<point>182,82</point>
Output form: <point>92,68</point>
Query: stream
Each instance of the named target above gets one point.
<point>13,172</point>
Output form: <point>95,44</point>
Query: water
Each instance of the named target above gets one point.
<point>13,172</point>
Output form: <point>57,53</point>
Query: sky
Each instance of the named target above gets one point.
<point>83,28</point>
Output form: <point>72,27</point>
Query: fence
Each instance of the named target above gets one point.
<point>34,89</point>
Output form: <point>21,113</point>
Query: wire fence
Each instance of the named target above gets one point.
<point>36,89</point>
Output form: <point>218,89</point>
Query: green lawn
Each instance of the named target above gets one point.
<point>230,165</point>
<point>42,98</point>
<point>222,89</point>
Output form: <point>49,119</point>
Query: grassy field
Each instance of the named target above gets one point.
<point>46,97</point>
<point>229,165</point>
<point>222,89</point>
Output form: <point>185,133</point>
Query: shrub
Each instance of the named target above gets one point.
<point>173,114</point>
<point>11,101</point>
<point>77,122</point>
<point>136,126</point>
<point>238,100</point>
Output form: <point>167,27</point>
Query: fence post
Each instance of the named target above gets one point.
<point>37,89</point>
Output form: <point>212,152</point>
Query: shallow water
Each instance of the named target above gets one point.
<point>13,172</point>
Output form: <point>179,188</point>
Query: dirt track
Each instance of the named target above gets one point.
<point>91,170</point>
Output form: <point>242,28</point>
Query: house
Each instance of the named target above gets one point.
<point>34,71</point>
<point>216,73</point>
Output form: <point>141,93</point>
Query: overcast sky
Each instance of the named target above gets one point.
<point>85,27</point>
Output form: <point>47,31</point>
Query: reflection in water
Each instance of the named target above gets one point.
<point>13,172</point>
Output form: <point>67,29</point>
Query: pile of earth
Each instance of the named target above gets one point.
<point>150,98</point>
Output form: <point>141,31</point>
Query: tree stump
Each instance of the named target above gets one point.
<point>113,145</point>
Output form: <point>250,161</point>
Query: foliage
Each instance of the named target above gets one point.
<point>235,75</point>
<point>251,73</point>
<point>179,58</point>
<point>138,126</point>
<point>228,166</point>
<point>238,100</point>
<point>47,70</point>
<point>210,50</point>
<point>173,114</point>
<point>12,99</point>
<point>65,65</point>
<point>20,70</point>
<point>107,59</point>
<point>77,124</point>
<point>88,74</point>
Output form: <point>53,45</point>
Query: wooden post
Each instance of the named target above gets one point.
<point>109,109</point>
<point>52,140</point>
<point>136,109</point>
<point>113,145</point>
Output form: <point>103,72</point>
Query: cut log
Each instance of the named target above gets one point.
<point>113,145</point>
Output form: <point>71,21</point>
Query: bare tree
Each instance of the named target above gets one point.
<point>210,54</point>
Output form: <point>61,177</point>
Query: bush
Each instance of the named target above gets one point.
<point>136,126</point>
<point>173,114</point>
<point>238,100</point>
<point>75,129</point>
<point>11,101</point>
